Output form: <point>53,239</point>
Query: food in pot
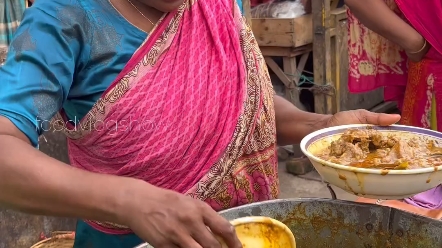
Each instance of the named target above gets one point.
<point>370,148</point>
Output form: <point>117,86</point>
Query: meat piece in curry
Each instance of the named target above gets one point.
<point>369,148</point>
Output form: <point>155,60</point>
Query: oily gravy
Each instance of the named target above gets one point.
<point>370,148</point>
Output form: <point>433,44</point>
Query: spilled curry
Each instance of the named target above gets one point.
<point>370,148</point>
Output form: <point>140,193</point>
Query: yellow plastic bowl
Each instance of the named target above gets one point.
<point>263,232</point>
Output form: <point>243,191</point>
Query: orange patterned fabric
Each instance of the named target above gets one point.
<point>422,91</point>
<point>375,61</point>
<point>424,85</point>
<point>202,82</point>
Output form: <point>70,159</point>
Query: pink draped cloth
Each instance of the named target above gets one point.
<point>191,112</point>
<point>425,81</point>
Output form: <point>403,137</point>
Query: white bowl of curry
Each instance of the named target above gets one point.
<point>393,162</point>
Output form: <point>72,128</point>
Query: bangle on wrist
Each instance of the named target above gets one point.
<point>422,48</point>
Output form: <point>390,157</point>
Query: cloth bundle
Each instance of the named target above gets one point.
<point>279,9</point>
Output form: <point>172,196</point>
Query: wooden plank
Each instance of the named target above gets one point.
<point>283,32</point>
<point>282,25</point>
<point>285,51</point>
<point>291,71</point>
<point>247,11</point>
<point>276,51</point>
<point>321,55</point>
<point>279,40</point>
<point>341,70</point>
<point>333,69</point>
<point>341,62</point>
<point>337,15</point>
<point>302,62</point>
<point>291,32</point>
<point>273,25</point>
<point>345,99</point>
<point>278,71</point>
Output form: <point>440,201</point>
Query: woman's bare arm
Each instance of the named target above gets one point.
<point>36,183</point>
<point>377,16</point>
<point>293,124</point>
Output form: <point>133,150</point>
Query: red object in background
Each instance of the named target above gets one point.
<point>253,3</point>
<point>42,236</point>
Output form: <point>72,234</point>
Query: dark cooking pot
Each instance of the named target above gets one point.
<point>331,223</point>
<point>335,223</point>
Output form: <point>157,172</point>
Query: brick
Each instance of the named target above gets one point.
<point>299,166</point>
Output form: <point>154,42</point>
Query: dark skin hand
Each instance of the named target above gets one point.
<point>293,124</point>
<point>377,16</point>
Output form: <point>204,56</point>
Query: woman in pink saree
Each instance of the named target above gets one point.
<point>169,112</point>
<point>397,44</point>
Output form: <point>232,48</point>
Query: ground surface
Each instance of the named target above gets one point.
<point>309,185</point>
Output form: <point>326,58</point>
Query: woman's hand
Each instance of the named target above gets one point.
<point>164,219</point>
<point>293,124</point>
<point>362,116</point>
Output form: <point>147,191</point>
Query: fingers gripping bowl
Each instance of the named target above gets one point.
<point>394,166</point>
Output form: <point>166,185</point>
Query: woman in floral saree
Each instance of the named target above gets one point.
<point>397,44</point>
<point>169,112</point>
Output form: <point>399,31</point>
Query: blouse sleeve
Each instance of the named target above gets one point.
<point>38,72</point>
<point>239,2</point>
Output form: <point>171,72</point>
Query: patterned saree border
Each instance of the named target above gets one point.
<point>244,141</point>
<point>415,73</point>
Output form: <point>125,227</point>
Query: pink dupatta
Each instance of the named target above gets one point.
<point>192,112</point>
<point>423,96</point>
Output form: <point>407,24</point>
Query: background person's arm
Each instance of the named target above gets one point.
<point>377,16</point>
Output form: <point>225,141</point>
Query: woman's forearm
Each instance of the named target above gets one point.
<point>33,182</point>
<point>293,124</point>
<point>377,16</point>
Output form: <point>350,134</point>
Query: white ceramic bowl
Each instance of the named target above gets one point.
<point>372,183</point>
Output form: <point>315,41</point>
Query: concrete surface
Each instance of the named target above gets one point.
<point>309,185</point>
